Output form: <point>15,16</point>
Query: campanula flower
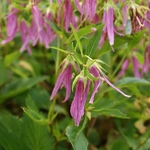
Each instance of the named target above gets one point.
<point>63,80</point>
<point>12,26</point>
<point>87,8</point>
<point>96,74</point>
<point>25,35</point>
<point>78,103</point>
<point>108,30</point>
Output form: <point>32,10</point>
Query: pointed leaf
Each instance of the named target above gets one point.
<point>93,42</point>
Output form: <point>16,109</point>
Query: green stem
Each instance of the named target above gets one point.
<point>142,143</point>
<point>119,65</point>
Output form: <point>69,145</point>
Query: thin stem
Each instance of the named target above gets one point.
<point>119,65</point>
<point>91,126</point>
<point>142,143</point>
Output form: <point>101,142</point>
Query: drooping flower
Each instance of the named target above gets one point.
<point>96,74</point>
<point>12,25</point>
<point>69,15</point>
<point>136,66</point>
<point>87,8</point>
<point>25,35</point>
<point>124,13</point>
<point>63,80</point>
<point>147,20</point>
<point>78,103</point>
<point>108,30</point>
<point>124,68</point>
<point>41,30</point>
<point>146,65</point>
<point>104,78</point>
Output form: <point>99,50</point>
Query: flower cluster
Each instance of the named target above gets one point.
<point>82,82</point>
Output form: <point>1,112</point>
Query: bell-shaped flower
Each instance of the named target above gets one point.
<point>136,67</point>
<point>146,65</point>
<point>123,68</point>
<point>25,35</point>
<point>108,30</point>
<point>12,25</point>
<point>96,74</point>
<point>78,103</point>
<point>88,8</point>
<point>147,20</point>
<point>63,80</point>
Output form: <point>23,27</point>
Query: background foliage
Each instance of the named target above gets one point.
<point>30,121</point>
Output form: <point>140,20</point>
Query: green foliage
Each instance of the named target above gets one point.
<point>30,121</point>
<point>23,133</point>
<point>93,42</point>
<point>77,139</point>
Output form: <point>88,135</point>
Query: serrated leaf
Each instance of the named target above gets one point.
<point>23,134</point>
<point>78,141</point>
<point>93,42</point>
<point>36,116</point>
<point>111,112</point>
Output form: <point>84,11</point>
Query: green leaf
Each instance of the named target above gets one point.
<point>36,136</point>
<point>93,42</point>
<point>111,112</point>
<point>78,140</point>
<point>33,113</point>
<point>77,39</point>
<point>10,132</point>
<point>129,134</point>
<point>127,81</point>
<point>54,27</point>
<point>11,57</point>
<point>3,72</point>
<point>36,116</point>
<point>18,86</point>
<point>23,134</point>
<point>82,32</point>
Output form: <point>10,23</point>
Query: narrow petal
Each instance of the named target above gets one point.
<point>136,67</point>
<point>124,68</point>
<point>109,83</point>
<point>67,82</point>
<point>110,25</point>
<point>58,84</point>
<point>95,72</point>
<point>68,14</point>
<point>77,106</point>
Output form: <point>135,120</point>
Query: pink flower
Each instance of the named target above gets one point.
<point>146,65</point>
<point>40,30</point>
<point>124,68</point>
<point>124,13</point>
<point>108,30</point>
<point>146,22</point>
<point>136,66</point>
<point>96,74</point>
<point>25,35</point>
<point>69,15</point>
<point>88,8</point>
<point>64,80</point>
<point>78,103</point>
<point>12,25</point>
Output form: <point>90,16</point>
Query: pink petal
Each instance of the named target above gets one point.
<point>95,72</point>
<point>108,82</point>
